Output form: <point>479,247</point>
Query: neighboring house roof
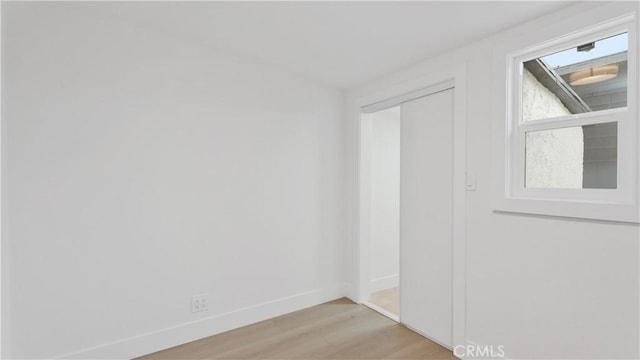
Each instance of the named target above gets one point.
<point>584,98</point>
<point>557,85</point>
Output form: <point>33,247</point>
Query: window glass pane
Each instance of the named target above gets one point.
<point>580,157</point>
<point>589,77</point>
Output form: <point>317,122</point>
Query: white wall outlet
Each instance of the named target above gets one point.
<point>199,303</point>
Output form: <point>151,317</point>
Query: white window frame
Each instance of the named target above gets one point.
<point>620,204</point>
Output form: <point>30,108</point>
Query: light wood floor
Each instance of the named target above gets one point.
<point>388,299</point>
<point>338,329</point>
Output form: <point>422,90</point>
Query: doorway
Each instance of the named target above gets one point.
<point>407,210</point>
<point>383,131</point>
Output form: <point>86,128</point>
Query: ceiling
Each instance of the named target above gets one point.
<point>340,44</point>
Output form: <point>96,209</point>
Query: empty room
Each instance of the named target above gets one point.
<point>320,180</point>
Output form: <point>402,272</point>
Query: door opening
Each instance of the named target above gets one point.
<point>383,128</point>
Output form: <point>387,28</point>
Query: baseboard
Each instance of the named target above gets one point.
<point>384,283</point>
<point>173,336</point>
<point>351,293</point>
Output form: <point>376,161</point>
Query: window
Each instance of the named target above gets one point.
<point>584,79</point>
<point>571,124</point>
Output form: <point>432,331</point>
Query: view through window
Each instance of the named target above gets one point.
<point>587,78</point>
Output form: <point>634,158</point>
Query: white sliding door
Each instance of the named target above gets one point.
<point>426,174</point>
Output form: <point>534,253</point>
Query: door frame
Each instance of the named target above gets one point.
<point>388,97</point>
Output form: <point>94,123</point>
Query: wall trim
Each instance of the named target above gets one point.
<point>151,342</point>
<point>4,319</point>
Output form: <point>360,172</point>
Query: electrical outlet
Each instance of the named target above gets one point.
<point>199,303</point>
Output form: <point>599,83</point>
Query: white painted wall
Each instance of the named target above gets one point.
<point>544,287</point>
<point>141,170</point>
<point>385,198</point>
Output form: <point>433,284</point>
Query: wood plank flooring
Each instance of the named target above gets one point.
<point>388,299</point>
<point>338,329</point>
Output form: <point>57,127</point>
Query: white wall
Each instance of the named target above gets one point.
<point>544,287</point>
<point>143,170</point>
<point>385,198</point>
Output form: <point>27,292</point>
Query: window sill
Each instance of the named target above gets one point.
<point>570,209</point>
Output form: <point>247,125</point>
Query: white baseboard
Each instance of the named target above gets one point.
<point>180,334</point>
<point>384,283</point>
<point>351,293</point>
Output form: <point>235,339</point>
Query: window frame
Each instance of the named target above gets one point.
<point>620,204</point>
